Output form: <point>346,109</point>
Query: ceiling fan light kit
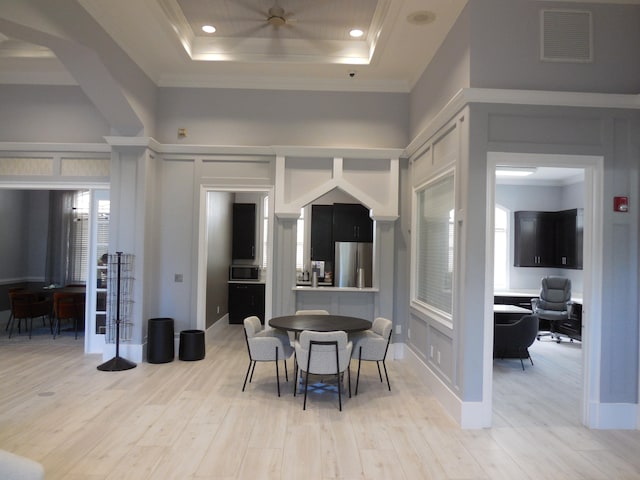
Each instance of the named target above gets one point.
<point>276,16</point>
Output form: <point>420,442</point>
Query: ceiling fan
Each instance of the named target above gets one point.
<point>276,16</point>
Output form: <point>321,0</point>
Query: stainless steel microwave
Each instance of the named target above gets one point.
<point>248,273</point>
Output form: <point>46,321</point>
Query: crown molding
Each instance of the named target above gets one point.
<point>468,96</point>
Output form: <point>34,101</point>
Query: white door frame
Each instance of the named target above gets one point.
<point>592,270</point>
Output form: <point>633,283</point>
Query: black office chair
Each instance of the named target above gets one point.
<point>553,304</point>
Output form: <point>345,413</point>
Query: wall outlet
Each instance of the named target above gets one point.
<point>399,330</point>
<point>218,309</point>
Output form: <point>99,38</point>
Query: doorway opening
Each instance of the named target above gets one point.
<point>215,249</point>
<point>86,230</point>
<point>556,388</point>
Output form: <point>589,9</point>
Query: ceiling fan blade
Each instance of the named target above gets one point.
<point>251,7</point>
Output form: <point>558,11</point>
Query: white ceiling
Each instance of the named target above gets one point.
<point>548,176</point>
<point>312,50</point>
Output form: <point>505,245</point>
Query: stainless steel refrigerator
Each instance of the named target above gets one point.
<point>353,259</point>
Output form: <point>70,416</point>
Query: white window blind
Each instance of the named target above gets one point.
<point>501,248</point>
<point>435,240</point>
<point>79,238</point>
<point>300,242</point>
<point>265,230</point>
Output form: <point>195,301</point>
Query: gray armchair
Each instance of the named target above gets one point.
<point>512,340</point>
<point>552,306</point>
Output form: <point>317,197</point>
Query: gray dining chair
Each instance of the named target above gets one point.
<point>312,312</point>
<point>292,335</point>
<point>323,353</point>
<point>265,346</point>
<point>372,345</point>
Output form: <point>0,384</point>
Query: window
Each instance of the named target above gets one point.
<point>435,241</point>
<point>300,242</point>
<point>79,238</point>
<point>501,248</point>
<point>265,230</point>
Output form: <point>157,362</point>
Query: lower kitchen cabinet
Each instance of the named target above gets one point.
<point>245,300</point>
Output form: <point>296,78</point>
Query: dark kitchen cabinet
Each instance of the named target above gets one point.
<point>245,300</point>
<point>568,236</point>
<point>351,223</point>
<point>244,231</point>
<point>322,232</point>
<point>548,239</point>
<point>534,239</point>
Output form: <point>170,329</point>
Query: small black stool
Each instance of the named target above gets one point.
<point>160,343</point>
<point>191,345</point>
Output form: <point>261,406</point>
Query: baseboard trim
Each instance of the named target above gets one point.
<point>469,415</point>
<point>613,416</point>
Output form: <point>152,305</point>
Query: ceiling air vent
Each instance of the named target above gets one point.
<point>566,36</point>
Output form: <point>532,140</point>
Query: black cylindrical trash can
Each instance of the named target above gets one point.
<point>191,345</point>
<point>160,343</point>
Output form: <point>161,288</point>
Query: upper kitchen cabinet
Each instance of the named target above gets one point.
<point>548,239</point>
<point>322,232</point>
<point>569,235</point>
<point>244,231</point>
<point>351,223</point>
<point>534,239</point>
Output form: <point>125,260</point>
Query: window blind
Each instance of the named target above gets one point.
<point>435,244</point>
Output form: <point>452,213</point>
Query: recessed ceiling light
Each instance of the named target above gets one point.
<point>208,28</point>
<point>421,17</point>
<point>356,33</point>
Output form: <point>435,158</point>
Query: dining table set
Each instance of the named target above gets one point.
<point>322,344</point>
<point>53,303</point>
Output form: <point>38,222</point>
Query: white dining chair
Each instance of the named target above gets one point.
<point>372,345</point>
<point>323,353</point>
<point>265,346</point>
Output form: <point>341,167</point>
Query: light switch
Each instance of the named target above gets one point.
<point>178,278</point>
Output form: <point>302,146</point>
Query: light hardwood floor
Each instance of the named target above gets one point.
<point>187,420</point>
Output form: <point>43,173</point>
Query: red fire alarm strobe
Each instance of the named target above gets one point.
<point>621,204</point>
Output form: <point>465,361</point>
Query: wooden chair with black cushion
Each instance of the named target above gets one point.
<point>68,306</point>
<point>27,306</point>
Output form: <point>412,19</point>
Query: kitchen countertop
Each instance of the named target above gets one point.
<point>320,288</point>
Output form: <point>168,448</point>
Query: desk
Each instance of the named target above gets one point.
<point>320,323</point>
<point>508,313</point>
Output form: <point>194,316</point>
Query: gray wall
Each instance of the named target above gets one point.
<point>49,114</point>
<point>446,74</point>
<point>253,117</point>
<point>14,231</point>
<point>505,43</point>
<point>219,236</point>
<point>526,129</point>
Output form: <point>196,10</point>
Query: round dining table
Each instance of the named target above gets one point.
<point>320,323</point>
